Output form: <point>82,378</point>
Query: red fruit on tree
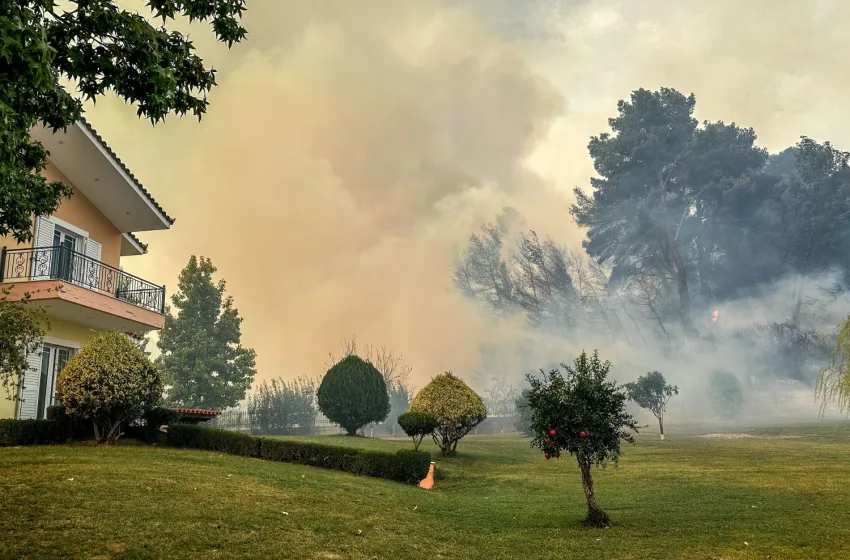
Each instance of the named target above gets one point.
<point>582,434</point>
<point>552,432</point>
<point>557,455</point>
<point>547,456</point>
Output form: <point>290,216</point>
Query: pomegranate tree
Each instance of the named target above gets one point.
<point>582,413</point>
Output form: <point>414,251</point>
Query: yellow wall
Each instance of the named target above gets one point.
<point>80,212</point>
<point>70,331</point>
<point>59,329</point>
<point>7,406</point>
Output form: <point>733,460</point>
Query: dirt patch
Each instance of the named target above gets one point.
<point>746,436</point>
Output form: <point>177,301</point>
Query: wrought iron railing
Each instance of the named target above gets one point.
<point>61,263</point>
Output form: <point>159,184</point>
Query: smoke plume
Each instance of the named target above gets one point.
<point>350,148</point>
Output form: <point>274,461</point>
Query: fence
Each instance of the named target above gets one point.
<point>62,263</point>
<point>241,420</point>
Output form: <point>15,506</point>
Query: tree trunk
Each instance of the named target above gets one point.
<point>684,293</point>
<point>661,425</point>
<point>595,516</point>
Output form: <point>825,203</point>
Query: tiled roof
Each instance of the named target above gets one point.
<point>144,246</point>
<point>196,411</point>
<point>129,173</point>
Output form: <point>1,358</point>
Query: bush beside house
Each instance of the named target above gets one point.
<point>32,432</point>
<point>109,383</point>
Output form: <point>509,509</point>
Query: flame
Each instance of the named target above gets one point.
<point>714,315</point>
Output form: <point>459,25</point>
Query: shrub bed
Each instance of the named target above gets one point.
<point>404,466</point>
<point>32,432</point>
<point>197,437</point>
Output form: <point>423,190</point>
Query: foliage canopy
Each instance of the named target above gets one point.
<point>458,409</point>
<point>99,47</point>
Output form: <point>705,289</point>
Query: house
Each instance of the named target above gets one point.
<point>72,266</point>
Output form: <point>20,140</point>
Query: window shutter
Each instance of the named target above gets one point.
<point>27,409</point>
<point>91,274</point>
<point>42,255</point>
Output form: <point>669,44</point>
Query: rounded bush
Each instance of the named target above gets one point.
<point>109,382</point>
<point>458,409</point>
<point>352,394</point>
<point>726,394</point>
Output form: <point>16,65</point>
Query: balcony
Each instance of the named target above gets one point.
<point>77,288</point>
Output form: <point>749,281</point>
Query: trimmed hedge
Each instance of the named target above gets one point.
<point>78,428</point>
<point>198,437</point>
<point>404,466</point>
<point>33,432</point>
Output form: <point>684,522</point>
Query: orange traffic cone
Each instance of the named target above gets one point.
<point>428,482</point>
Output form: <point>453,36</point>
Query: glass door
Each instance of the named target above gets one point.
<point>64,247</point>
<point>53,359</point>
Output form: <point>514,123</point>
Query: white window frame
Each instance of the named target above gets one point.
<point>69,227</point>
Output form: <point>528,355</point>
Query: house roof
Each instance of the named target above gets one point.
<point>92,167</point>
<point>126,169</point>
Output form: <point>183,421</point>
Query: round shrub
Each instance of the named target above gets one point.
<point>726,394</point>
<point>109,382</point>
<point>458,409</point>
<point>352,394</point>
<point>417,425</point>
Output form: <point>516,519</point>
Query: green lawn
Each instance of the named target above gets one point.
<point>689,498</point>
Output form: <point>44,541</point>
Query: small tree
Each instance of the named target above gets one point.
<point>110,382</point>
<point>726,394</point>
<point>458,410</point>
<point>417,425</point>
<point>353,393</point>
<point>583,414</point>
<point>652,392</point>
<point>22,327</point>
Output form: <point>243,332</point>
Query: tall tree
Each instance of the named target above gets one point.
<point>542,282</point>
<point>656,205</point>
<point>634,214</point>
<point>815,212</point>
<point>204,362</point>
<point>100,48</point>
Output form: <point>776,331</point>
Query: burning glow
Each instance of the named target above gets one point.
<point>714,315</point>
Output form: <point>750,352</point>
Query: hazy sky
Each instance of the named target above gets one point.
<point>351,145</point>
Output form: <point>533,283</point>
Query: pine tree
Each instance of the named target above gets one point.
<point>203,360</point>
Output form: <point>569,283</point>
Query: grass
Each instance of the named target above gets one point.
<point>686,498</point>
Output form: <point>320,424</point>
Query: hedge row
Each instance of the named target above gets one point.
<point>404,466</point>
<point>33,432</point>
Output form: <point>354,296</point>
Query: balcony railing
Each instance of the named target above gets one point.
<point>61,263</point>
